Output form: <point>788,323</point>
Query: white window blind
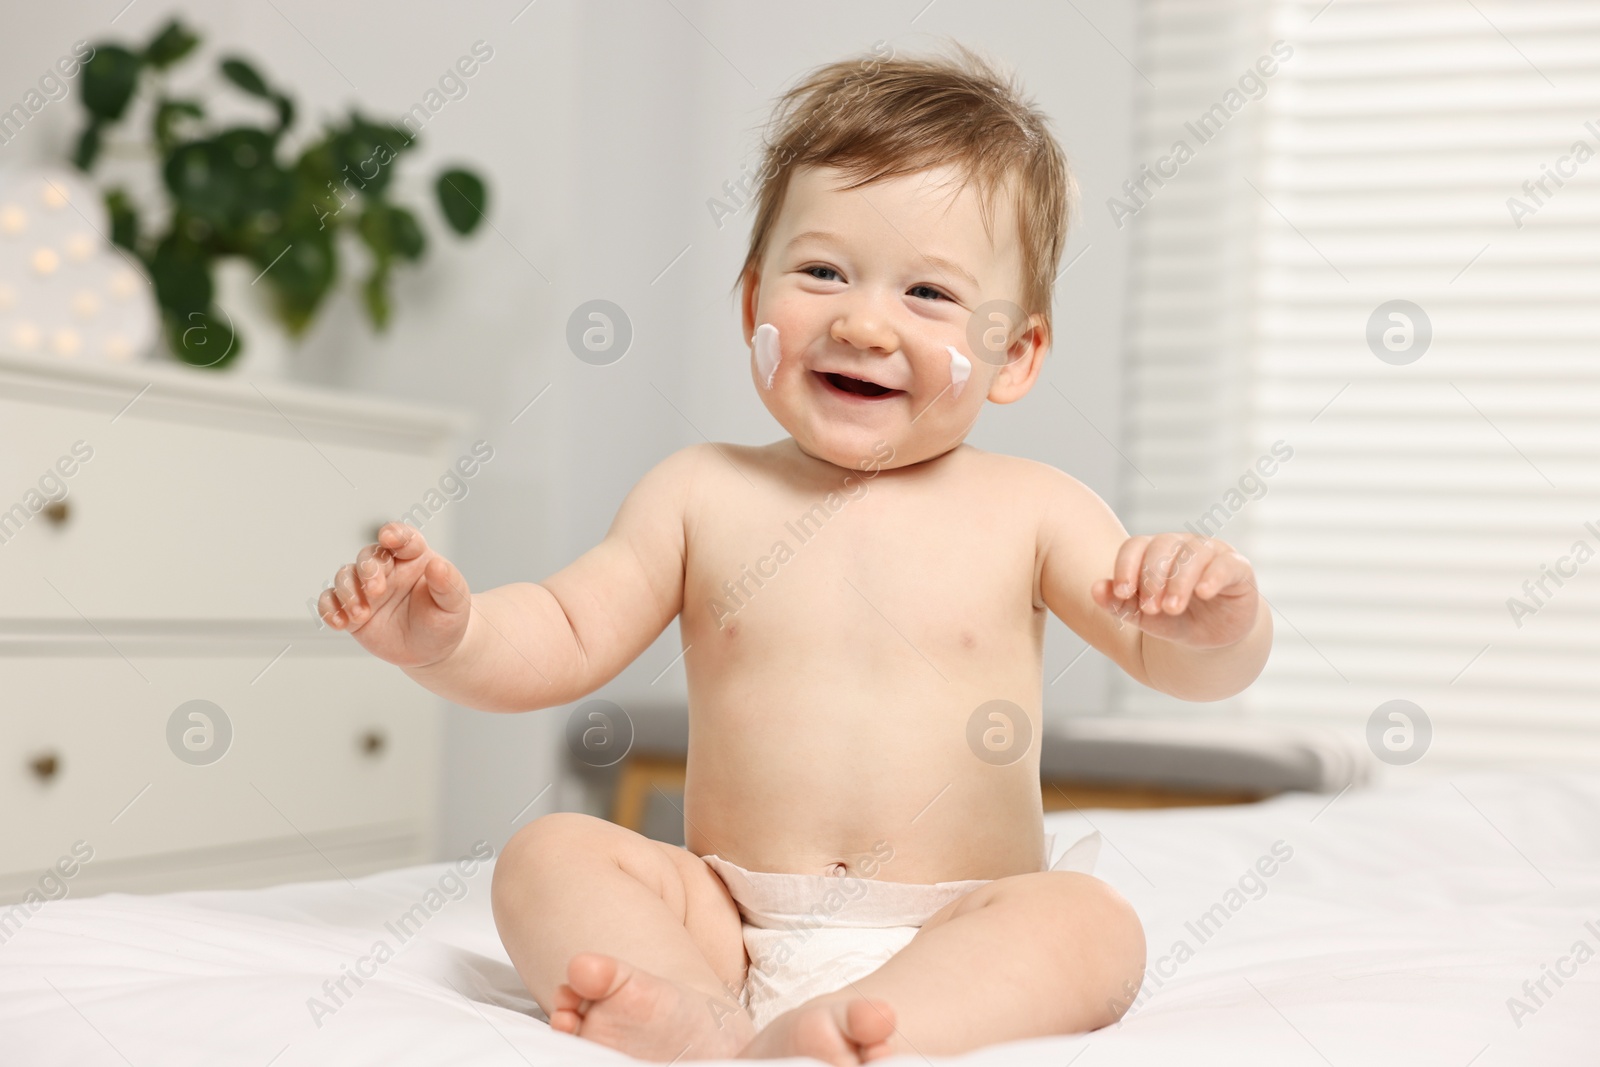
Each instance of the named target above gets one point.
<point>1446,154</point>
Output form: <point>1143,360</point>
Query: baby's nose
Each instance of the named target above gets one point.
<point>866,328</point>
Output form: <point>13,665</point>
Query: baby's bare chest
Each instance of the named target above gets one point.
<point>851,574</point>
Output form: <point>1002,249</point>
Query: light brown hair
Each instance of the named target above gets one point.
<point>876,118</point>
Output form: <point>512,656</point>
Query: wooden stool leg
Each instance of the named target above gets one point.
<point>640,774</point>
<point>628,801</point>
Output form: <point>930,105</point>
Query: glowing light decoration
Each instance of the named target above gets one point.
<point>65,292</point>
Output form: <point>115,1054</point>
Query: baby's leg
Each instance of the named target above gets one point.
<point>623,940</point>
<point>1032,955</point>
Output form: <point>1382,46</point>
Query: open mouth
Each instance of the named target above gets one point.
<point>856,387</point>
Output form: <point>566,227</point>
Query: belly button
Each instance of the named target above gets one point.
<point>836,870</point>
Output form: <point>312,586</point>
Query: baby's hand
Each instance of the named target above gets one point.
<point>401,600</point>
<point>1193,590</point>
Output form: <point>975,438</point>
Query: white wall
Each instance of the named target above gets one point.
<point>603,128</point>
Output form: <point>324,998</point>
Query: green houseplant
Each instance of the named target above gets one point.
<point>233,192</point>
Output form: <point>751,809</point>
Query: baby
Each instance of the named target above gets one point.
<point>862,607</point>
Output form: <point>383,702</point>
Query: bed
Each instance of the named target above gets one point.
<point>1406,923</point>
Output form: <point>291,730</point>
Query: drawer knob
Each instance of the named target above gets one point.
<point>45,766</point>
<point>372,742</point>
<point>58,512</point>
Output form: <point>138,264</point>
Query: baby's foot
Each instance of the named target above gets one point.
<point>840,1032</point>
<point>650,1018</point>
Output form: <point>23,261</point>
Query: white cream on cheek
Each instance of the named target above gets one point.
<point>767,353</point>
<point>960,371</point>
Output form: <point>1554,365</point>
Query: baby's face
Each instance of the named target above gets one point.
<point>872,293</point>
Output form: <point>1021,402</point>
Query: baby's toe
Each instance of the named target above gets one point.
<point>869,1023</point>
<point>593,976</point>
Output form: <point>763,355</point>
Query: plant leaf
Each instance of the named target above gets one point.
<point>391,231</point>
<point>405,234</point>
<point>375,295</point>
<point>363,154</point>
<point>203,181</point>
<point>203,338</point>
<point>245,77</point>
<point>167,114</point>
<point>462,198</point>
<point>124,219</point>
<point>170,45</point>
<point>88,149</point>
<point>234,184</point>
<point>181,273</point>
<point>109,80</point>
<point>285,113</point>
<point>315,204</point>
<point>303,276</point>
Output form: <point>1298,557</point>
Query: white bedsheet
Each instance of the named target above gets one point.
<point>1397,932</point>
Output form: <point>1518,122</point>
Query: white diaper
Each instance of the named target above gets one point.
<point>810,934</point>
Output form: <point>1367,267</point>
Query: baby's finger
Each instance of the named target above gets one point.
<point>1165,553</point>
<point>373,564</point>
<point>403,540</point>
<point>446,585</point>
<point>1125,570</point>
<point>351,602</point>
<point>328,609</point>
<point>1229,572</point>
<point>1189,570</point>
<point>1100,592</point>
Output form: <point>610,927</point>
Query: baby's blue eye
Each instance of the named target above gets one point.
<point>808,270</point>
<point>930,289</point>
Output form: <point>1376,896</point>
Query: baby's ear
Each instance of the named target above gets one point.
<point>750,287</point>
<point>1024,361</point>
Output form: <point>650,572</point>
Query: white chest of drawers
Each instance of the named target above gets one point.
<point>163,536</point>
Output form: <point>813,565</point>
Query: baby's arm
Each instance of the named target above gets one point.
<point>524,645</point>
<point>1188,619</point>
